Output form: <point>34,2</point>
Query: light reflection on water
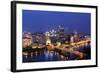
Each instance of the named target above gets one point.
<point>46,56</point>
<point>54,56</point>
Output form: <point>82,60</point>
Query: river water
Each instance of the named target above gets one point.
<point>54,56</point>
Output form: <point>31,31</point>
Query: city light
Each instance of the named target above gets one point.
<point>56,41</point>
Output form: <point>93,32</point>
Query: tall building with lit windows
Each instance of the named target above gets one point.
<point>27,39</point>
<point>60,31</point>
<point>48,40</point>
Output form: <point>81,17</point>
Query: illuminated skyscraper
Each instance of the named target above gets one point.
<point>61,31</point>
<point>27,39</point>
<point>48,40</point>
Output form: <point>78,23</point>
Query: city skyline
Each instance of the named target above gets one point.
<point>45,37</point>
<point>41,21</point>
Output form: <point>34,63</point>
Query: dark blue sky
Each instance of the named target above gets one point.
<point>35,21</point>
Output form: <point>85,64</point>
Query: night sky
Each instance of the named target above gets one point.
<point>41,21</point>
